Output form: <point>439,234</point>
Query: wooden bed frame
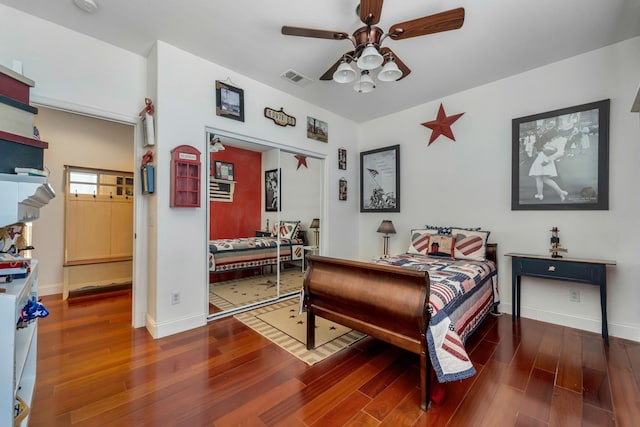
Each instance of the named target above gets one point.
<point>385,302</point>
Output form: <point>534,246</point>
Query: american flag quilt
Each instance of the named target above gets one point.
<point>462,294</point>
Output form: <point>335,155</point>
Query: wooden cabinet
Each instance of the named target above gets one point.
<point>98,228</point>
<point>19,346</point>
<point>185,177</point>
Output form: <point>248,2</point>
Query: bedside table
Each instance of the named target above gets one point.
<point>589,271</point>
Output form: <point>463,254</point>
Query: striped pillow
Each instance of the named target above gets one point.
<point>470,245</point>
<point>420,241</point>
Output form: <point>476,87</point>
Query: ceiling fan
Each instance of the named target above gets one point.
<point>368,53</point>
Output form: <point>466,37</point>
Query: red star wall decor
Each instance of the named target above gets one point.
<point>302,161</point>
<point>442,125</point>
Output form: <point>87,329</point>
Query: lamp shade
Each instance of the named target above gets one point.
<point>315,223</point>
<point>365,84</point>
<point>370,58</point>
<point>389,72</point>
<point>386,227</point>
<point>344,73</point>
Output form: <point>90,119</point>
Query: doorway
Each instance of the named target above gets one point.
<point>86,142</point>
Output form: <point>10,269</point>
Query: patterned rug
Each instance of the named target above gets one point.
<point>236,293</point>
<point>282,324</point>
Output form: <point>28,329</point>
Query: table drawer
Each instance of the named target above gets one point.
<point>561,270</point>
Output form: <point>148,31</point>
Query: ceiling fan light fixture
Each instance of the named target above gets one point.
<point>390,72</point>
<point>370,58</point>
<point>344,73</point>
<point>365,83</point>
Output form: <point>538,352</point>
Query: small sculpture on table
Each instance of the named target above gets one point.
<point>555,244</point>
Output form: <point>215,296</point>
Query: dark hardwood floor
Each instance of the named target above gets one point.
<point>95,370</point>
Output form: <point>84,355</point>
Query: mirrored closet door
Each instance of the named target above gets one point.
<point>261,203</point>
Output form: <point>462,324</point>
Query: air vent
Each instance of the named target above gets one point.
<point>296,78</point>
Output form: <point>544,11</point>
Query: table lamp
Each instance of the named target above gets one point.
<point>315,224</point>
<point>386,227</point>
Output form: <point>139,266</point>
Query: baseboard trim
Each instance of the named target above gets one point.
<point>164,329</point>
<point>585,324</point>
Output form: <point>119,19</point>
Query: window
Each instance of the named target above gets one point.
<point>99,182</point>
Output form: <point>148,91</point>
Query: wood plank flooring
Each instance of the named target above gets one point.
<point>95,370</point>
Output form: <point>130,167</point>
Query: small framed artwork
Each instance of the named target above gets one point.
<point>272,190</point>
<point>560,159</point>
<point>223,170</point>
<point>342,189</point>
<point>317,129</point>
<point>342,158</point>
<point>380,180</point>
<point>229,101</point>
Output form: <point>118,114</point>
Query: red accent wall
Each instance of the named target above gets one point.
<point>240,218</point>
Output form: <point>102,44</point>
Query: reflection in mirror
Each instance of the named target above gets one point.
<point>261,205</point>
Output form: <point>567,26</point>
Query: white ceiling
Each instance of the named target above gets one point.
<point>499,38</point>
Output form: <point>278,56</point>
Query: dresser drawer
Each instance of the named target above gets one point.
<point>561,270</point>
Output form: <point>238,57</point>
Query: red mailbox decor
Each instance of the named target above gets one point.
<point>185,177</point>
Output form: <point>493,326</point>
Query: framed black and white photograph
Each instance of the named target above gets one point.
<point>342,158</point>
<point>317,129</point>
<point>229,101</point>
<point>342,189</point>
<point>272,190</point>
<point>560,159</point>
<point>223,170</point>
<point>380,180</point>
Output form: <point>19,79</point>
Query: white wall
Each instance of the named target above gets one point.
<point>468,183</point>
<point>185,106</point>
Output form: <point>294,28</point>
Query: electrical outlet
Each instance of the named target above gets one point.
<point>574,295</point>
<point>175,297</point>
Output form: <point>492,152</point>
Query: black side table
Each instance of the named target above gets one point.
<point>589,271</point>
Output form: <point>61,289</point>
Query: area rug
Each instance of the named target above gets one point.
<point>235,293</point>
<point>281,323</point>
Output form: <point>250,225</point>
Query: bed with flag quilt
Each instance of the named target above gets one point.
<point>463,292</point>
<point>251,252</point>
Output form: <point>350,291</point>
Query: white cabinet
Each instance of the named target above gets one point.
<point>18,346</point>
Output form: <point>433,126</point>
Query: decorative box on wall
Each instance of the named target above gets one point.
<point>18,145</point>
<point>185,177</point>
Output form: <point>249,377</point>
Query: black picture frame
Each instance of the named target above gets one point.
<point>223,170</point>
<point>229,101</point>
<point>380,180</point>
<point>272,190</point>
<point>342,158</point>
<point>342,189</point>
<point>560,159</point>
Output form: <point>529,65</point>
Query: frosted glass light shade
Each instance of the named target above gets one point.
<point>390,72</point>
<point>344,73</point>
<point>365,84</point>
<point>370,58</point>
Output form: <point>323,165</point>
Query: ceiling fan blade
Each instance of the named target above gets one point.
<point>370,11</point>
<point>443,21</point>
<point>318,34</point>
<point>403,67</point>
<point>328,75</point>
